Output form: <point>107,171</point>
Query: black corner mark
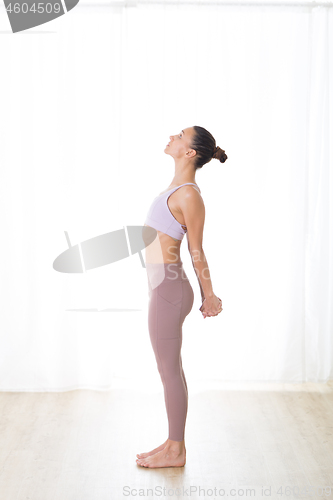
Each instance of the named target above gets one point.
<point>26,14</point>
<point>70,4</point>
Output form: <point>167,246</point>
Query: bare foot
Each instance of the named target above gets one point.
<point>156,450</point>
<point>164,458</point>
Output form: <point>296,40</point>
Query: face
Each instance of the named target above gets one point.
<point>179,144</point>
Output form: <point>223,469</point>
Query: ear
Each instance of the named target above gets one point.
<point>191,153</point>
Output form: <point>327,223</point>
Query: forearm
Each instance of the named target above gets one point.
<point>202,271</point>
<point>201,290</point>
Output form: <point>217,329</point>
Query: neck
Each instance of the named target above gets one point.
<point>184,172</point>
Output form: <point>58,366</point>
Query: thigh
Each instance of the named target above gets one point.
<point>169,304</point>
<point>169,309</point>
<point>165,334</point>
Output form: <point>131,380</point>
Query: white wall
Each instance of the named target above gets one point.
<point>87,103</point>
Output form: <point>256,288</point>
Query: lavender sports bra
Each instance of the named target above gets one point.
<point>160,217</point>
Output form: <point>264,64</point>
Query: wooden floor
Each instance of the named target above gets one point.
<point>82,444</point>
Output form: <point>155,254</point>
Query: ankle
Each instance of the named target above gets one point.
<point>177,447</point>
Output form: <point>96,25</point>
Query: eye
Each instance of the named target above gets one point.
<point>180,135</point>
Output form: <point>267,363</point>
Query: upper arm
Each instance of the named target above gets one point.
<point>193,210</point>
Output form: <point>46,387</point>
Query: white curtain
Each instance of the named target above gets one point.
<point>88,102</point>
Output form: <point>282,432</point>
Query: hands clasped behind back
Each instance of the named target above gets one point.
<point>211,306</point>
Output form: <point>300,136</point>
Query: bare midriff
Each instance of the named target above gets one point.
<point>164,248</point>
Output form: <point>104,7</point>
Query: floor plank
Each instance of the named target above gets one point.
<point>82,445</point>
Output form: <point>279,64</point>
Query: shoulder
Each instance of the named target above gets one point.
<point>191,193</point>
<point>191,199</point>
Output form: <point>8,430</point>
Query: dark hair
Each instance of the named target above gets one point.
<point>205,145</point>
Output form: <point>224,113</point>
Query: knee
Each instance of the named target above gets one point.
<point>171,376</point>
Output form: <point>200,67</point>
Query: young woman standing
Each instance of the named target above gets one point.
<point>177,210</point>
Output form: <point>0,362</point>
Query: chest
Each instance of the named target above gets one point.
<point>173,204</point>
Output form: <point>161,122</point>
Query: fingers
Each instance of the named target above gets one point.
<point>208,314</point>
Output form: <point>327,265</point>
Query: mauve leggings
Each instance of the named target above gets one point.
<point>170,301</point>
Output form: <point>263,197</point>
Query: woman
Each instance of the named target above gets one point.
<point>178,210</point>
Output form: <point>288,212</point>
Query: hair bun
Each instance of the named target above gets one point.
<point>219,154</point>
